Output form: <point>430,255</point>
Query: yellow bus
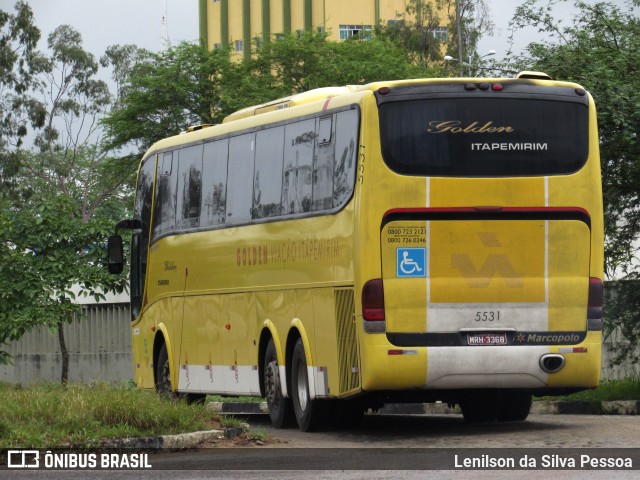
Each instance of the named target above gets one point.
<point>417,240</point>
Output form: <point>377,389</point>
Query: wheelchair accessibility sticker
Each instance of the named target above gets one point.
<point>411,262</point>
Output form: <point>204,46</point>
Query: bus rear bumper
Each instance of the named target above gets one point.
<point>482,367</point>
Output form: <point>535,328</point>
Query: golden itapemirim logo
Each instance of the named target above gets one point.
<point>457,126</point>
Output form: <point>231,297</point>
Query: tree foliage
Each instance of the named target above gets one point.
<point>600,49</point>
<point>298,63</point>
<point>19,63</point>
<point>165,92</point>
<point>465,21</point>
<point>622,301</point>
<point>60,197</point>
<point>188,85</point>
<point>46,249</point>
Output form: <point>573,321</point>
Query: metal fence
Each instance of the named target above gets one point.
<point>98,342</point>
<point>99,345</point>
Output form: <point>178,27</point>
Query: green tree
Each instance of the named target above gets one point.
<point>600,49</point>
<point>469,19</point>
<point>298,63</point>
<point>166,92</point>
<point>46,249</point>
<point>417,31</point>
<point>19,63</point>
<point>72,159</point>
<point>66,194</point>
<point>187,85</point>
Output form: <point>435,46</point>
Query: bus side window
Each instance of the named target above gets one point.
<point>140,243</point>
<point>164,218</point>
<point>239,197</point>
<point>346,151</point>
<point>189,186</point>
<point>298,164</point>
<point>214,184</point>
<point>325,133</point>
<point>323,166</point>
<point>267,180</point>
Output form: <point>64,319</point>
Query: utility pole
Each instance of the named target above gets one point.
<point>459,29</point>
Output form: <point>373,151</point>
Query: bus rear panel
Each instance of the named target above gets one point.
<point>486,201</point>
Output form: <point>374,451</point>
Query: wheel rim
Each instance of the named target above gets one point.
<point>303,396</point>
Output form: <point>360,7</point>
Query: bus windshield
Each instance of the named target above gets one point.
<point>487,136</point>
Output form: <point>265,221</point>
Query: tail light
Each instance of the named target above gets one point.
<point>373,301</point>
<point>595,310</point>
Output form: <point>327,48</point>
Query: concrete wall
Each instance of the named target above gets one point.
<point>100,350</point>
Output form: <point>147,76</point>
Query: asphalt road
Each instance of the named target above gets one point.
<point>450,431</point>
<point>406,447</point>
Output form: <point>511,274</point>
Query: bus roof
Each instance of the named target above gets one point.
<point>291,101</point>
<point>329,92</point>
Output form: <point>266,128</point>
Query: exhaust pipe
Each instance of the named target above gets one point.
<point>551,362</point>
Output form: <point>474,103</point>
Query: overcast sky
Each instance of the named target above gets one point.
<point>118,22</point>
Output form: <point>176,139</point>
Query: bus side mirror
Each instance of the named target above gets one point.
<point>115,254</point>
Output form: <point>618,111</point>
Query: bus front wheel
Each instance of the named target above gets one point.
<point>309,413</point>
<point>163,374</point>
<point>280,408</point>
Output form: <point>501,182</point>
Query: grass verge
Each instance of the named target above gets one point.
<point>625,389</point>
<point>50,415</point>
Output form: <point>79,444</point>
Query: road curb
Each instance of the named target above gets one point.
<point>238,407</point>
<point>170,442</point>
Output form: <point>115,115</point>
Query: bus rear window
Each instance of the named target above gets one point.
<point>484,137</point>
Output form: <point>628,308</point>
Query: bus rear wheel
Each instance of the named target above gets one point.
<point>514,406</point>
<point>309,413</point>
<point>280,408</point>
<point>496,405</point>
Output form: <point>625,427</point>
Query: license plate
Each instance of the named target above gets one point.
<point>487,339</point>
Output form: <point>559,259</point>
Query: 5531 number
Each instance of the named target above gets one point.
<point>490,316</point>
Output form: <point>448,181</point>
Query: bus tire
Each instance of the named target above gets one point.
<point>479,407</point>
<point>163,375</point>
<point>280,408</point>
<point>514,406</point>
<point>309,413</point>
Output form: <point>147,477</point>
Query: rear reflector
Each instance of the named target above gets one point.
<point>373,300</point>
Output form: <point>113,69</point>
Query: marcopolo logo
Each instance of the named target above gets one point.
<point>553,338</point>
<point>549,338</point>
